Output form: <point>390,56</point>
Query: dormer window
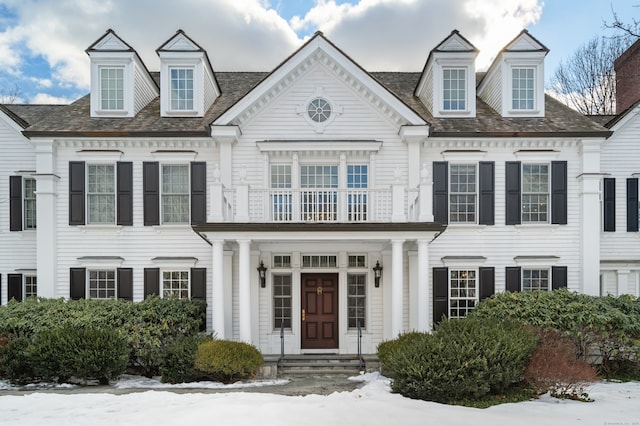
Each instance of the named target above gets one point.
<point>523,88</point>
<point>181,96</point>
<point>454,92</point>
<point>112,88</point>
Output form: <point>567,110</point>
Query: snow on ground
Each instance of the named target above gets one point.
<point>371,405</point>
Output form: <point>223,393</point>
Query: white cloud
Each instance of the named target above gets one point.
<point>248,35</point>
<point>44,98</point>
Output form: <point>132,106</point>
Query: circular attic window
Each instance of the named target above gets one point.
<point>319,110</point>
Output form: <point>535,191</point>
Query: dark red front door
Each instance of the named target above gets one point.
<point>319,311</point>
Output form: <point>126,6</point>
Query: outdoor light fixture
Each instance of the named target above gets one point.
<point>262,273</point>
<point>377,273</point>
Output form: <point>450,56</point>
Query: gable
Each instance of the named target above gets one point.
<point>109,42</point>
<point>180,42</point>
<point>525,42</point>
<point>319,51</point>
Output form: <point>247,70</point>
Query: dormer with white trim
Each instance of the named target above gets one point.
<point>514,83</point>
<point>188,85</point>
<point>120,83</point>
<point>447,85</point>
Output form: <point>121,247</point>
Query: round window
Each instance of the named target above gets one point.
<point>319,110</point>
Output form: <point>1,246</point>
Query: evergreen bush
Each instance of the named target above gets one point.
<point>179,359</point>
<point>227,361</point>
<point>462,358</point>
<point>605,330</point>
<point>15,360</point>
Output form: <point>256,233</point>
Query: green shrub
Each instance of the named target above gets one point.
<point>85,353</point>
<point>462,358</point>
<point>146,325</point>
<point>15,361</point>
<point>227,361</point>
<point>179,359</point>
<point>389,350</point>
<point>606,330</point>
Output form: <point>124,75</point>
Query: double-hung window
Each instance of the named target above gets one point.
<point>30,286</point>
<point>462,193</point>
<point>522,88</point>
<point>535,279</point>
<point>181,93</point>
<point>535,193</point>
<point>112,88</point>
<point>454,91</point>
<point>463,292</point>
<point>281,192</point>
<point>175,284</point>
<point>101,194</point>
<point>175,193</point>
<point>102,283</point>
<point>29,199</point>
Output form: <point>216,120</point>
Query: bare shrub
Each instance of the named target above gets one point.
<point>554,367</point>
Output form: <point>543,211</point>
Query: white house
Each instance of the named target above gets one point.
<point>318,198</point>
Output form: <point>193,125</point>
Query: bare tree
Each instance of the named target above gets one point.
<point>631,29</point>
<point>10,96</point>
<point>586,80</point>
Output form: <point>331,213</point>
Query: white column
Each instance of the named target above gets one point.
<point>46,218</point>
<point>424,299</point>
<point>218,293</point>
<point>244,278</point>
<point>397,284</point>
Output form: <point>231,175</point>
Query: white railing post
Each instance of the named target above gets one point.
<point>425,200</point>
<point>398,210</point>
<point>216,203</point>
<point>242,203</point>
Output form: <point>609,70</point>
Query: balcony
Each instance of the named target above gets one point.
<point>392,204</point>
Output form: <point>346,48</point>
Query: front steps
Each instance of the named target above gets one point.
<point>317,365</point>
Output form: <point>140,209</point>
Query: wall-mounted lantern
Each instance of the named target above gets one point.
<point>377,273</point>
<point>262,274</point>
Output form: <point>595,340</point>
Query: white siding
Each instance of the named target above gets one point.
<point>18,248</point>
<point>492,89</point>
<point>143,91</point>
<point>427,95</point>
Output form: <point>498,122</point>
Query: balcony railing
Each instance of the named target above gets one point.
<point>391,204</point>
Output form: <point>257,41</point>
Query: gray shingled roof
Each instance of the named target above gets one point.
<point>75,119</point>
<point>25,115</point>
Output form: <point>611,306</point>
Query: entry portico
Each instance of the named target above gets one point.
<point>335,260</point>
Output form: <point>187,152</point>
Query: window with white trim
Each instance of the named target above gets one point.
<point>454,91</point>
<point>356,300</point>
<point>319,261</point>
<point>463,292</point>
<point>112,88</point>
<point>29,200</point>
<point>357,184</point>
<point>101,194</point>
<point>357,261</point>
<point>463,188</point>
<point>281,261</point>
<point>535,280</point>
<point>319,198</point>
<point>102,283</point>
<point>282,300</point>
<point>175,284</point>
<point>522,88</point>
<point>281,192</point>
<point>30,286</point>
<point>175,193</point>
<point>181,92</point>
<point>535,193</point>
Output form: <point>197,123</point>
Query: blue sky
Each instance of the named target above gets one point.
<point>42,42</point>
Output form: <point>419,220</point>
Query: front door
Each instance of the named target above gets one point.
<point>319,311</point>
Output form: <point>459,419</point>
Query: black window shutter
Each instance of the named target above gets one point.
<point>609,204</point>
<point>559,192</point>
<point>151,282</point>
<point>440,294</point>
<point>558,277</point>
<point>487,283</point>
<point>198,193</point>
<point>15,203</point>
<point>512,191</point>
<point>486,181</point>
<point>441,192</point>
<point>632,205</point>
<point>512,279</point>
<point>76,192</point>
<point>14,287</point>
<point>77,289</point>
<point>199,284</point>
<point>151,192</point>
<point>125,284</point>
<point>125,193</point>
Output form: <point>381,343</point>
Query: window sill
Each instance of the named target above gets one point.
<point>552,226</point>
<point>467,226</point>
<point>100,227</point>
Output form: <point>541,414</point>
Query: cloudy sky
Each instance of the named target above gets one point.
<point>43,42</point>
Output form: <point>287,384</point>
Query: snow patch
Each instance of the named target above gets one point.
<point>137,382</point>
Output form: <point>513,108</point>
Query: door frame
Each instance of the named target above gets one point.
<point>335,315</point>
